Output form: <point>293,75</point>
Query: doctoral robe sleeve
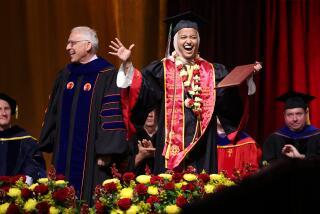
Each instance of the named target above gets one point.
<point>49,128</point>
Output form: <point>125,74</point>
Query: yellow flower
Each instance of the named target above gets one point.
<point>126,193</point>
<point>30,205</point>
<point>33,186</point>
<point>68,211</point>
<point>229,183</point>
<point>172,209</point>
<point>115,180</point>
<point>4,207</point>
<point>209,188</point>
<point>152,190</point>
<point>53,210</point>
<point>189,177</point>
<point>178,185</point>
<point>133,209</point>
<point>143,179</point>
<point>14,192</point>
<point>43,180</point>
<point>60,182</point>
<point>166,176</point>
<point>216,177</point>
<point>116,211</point>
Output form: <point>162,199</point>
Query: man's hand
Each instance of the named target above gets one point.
<point>292,152</point>
<point>146,150</point>
<point>104,160</point>
<point>120,51</point>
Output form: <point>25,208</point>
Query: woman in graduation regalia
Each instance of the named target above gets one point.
<point>182,85</point>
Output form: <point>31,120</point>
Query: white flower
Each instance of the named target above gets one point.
<point>183,73</point>
<point>197,99</point>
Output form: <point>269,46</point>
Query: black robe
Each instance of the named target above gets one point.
<point>84,120</point>
<point>306,141</point>
<point>228,107</point>
<point>18,154</point>
<point>140,168</point>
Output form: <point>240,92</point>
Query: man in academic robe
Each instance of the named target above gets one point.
<point>296,139</point>
<point>18,155</point>
<point>83,125</point>
<point>182,85</point>
<point>143,146</point>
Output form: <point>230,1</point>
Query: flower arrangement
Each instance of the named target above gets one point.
<point>190,75</point>
<point>47,195</point>
<point>163,193</point>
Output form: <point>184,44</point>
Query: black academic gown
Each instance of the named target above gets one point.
<point>84,120</point>
<point>140,168</point>
<point>306,141</point>
<point>18,154</point>
<point>204,155</point>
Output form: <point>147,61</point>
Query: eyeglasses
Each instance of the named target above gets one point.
<point>73,43</point>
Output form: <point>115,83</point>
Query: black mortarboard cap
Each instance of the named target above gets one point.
<point>187,19</point>
<point>293,99</point>
<point>11,101</point>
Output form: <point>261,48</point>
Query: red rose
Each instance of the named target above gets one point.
<point>196,72</point>
<point>13,209</point>
<point>181,201</point>
<point>176,177</point>
<point>100,208</point>
<point>155,179</point>
<point>14,179</point>
<point>184,78</point>
<point>60,194</point>
<point>124,203</point>
<point>169,186</point>
<point>128,176</point>
<point>41,189</point>
<point>191,102</point>
<point>6,188</point>
<point>179,67</point>
<point>153,199</point>
<point>43,207</point>
<point>60,177</point>
<point>204,177</point>
<point>110,187</point>
<point>5,179</point>
<point>188,186</point>
<point>26,193</point>
<point>141,189</point>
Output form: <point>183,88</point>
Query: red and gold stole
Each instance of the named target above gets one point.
<point>175,150</point>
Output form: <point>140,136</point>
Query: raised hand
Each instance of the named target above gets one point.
<point>120,51</point>
<point>257,67</point>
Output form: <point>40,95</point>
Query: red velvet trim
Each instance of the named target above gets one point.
<point>238,156</point>
<point>129,97</point>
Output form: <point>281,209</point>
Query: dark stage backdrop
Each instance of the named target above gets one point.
<point>282,34</point>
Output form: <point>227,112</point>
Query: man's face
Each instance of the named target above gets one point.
<point>295,118</point>
<point>188,43</point>
<point>78,48</point>
<point>5,115</point>
<point>151,119</point>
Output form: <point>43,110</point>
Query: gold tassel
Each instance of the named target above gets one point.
<point>17,112</point>
<point>308,122</point>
